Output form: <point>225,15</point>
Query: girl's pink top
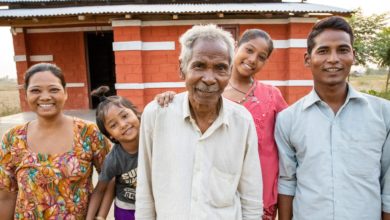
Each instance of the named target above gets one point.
<point>264,102</point>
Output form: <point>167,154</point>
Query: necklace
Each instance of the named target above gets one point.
<point>236,89</point>
<point>240,91</point>
<point>246,94</point>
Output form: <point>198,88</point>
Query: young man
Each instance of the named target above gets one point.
<point>334,143</point>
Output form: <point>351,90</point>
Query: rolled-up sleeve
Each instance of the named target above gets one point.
<point>251,184</point>
<point>287,161</point>
<point>144,195</point>
<point>385,175</point>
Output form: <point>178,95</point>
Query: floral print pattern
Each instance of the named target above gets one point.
<point>51,186</point>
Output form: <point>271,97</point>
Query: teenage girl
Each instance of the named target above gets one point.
<point>119,120</point>
<point>263,102</point>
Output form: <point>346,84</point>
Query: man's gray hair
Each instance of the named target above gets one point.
<point>205,32</point>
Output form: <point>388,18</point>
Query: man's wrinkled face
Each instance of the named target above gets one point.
<point>207,73</point>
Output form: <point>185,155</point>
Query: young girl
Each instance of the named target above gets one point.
<point>263,102</point>
<point>119,120</point>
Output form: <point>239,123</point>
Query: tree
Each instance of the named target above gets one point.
<point>381,48</point>
<point>366,29</point>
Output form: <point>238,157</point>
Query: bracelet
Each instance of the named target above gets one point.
<point>99,218</point>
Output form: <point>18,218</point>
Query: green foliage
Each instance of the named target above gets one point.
<point>382,51</point>
<point>382,47</point>
<point>366,30</point>
<point>385,95</point>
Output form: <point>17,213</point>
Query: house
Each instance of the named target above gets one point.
<point>132,46</point>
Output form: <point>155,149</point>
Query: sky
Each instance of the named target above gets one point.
<point>8,68</point>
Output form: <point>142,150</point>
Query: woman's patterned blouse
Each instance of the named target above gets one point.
<point>52,186</point>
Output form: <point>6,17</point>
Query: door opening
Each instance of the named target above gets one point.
<point>101,62</point>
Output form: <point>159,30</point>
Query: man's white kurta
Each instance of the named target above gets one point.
<point>184,174</point>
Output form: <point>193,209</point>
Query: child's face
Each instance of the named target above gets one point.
<point>122,124</point>
<point>251,56</point>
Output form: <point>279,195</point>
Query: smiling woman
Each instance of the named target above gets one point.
<point>45,90</point>
<point>50,157</point>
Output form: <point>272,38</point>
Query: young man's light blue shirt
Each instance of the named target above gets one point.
<point>336,166</point>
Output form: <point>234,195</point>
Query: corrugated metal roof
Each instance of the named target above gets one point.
<point>175,9</point>
<point>20,1</point>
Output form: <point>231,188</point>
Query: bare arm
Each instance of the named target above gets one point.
<point>385,216</point>
<point>7,207</point>
<point>285,205</point>
<point>107,199</point>
<point>96,199</point>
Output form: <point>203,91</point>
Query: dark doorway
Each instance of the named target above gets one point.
<point>101,62</point>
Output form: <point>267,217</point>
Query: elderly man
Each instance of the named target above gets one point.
<point>198,157</point>
<point>334,144</point>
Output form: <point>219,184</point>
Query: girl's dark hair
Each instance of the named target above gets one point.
<point>251,34</point>
<point>41,67</point>
<point>330,23</point>
<point>106,103</point>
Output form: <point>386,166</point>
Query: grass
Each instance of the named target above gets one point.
<point>385,95</point>
<point>369,82</point>
<point>374,84</point>
<point>9,97</point>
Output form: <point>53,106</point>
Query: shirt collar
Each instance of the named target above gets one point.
<point>313,97</point>
<point>223,111</point>
<point>310,99</point>
<point>353,94</point>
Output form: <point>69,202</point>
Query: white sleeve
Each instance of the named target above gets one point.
<point>145,208</point>
<point>251,182</point>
